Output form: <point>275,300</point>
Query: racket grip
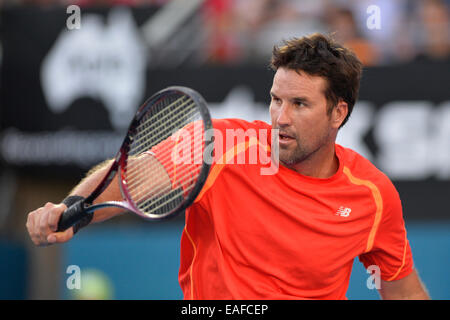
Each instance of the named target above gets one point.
<point>71,215</point>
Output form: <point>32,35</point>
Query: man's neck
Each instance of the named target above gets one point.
<point>321,164</point>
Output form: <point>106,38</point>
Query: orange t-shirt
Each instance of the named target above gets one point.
<point>289,236</point>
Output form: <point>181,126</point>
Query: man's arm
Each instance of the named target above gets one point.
<point>407,288</point>
<point>42,222</point>
<point>111,193</point>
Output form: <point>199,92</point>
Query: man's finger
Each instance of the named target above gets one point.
<point>59,237</point>
<point>55,214</point>
<point>42,228</point>
<point>30,222</point>
<point>31,227</point>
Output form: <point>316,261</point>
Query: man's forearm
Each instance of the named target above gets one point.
<point>112,192</point>
<point>151,183</point>
<point>408,288</point>
<point>419,295</point>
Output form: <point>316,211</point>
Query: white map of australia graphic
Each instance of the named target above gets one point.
<point>103,61</point>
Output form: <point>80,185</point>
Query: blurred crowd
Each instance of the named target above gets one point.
<point>246,30</point>
<point>407,29</point>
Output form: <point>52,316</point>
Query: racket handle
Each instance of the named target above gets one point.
<point>71,215</point>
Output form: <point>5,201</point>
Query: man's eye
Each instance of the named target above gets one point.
<point>275,99</point>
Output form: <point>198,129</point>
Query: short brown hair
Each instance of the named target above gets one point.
<point>319,55</point>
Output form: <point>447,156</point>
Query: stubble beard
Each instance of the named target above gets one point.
<point>293,157</point>
<point>300,153</point>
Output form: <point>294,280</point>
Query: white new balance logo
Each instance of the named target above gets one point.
<point>343,212</point>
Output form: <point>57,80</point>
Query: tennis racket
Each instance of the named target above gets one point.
<point>161,165</point>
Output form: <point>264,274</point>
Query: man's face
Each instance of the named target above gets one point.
<point>298,109</point>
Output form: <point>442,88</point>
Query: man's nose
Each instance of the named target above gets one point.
<point>284,118</point>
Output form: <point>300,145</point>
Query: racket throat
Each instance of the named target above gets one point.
<point>118,204</point>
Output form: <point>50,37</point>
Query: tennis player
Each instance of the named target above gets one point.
<point>293,234</point>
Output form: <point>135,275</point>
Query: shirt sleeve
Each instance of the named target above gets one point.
<point>391,251</point>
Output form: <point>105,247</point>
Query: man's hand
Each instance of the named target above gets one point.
<point>43,222</point>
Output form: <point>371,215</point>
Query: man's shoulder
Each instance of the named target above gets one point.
<point>363,169</point>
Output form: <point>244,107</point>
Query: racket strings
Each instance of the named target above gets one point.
<point>166,151</point>
<point>143,142</point>
<point>162,132</point>
<point>156,189</point>
<point>149,120</point>
<point>151,205</point>
<point>148,144</point>
<point>183,179</point>
<point>157,114</point>
<point>139,173</point>
<point>145,133</point>
<point>178,172</point>
<point>147,204</point>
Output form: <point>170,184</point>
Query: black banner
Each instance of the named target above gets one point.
<point>240,309</point>
<point>67,96</point>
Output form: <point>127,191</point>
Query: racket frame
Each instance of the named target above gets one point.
<point>205,167</point>
<point>118,167</point>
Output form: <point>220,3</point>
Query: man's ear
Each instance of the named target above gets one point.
<point>339,113</point>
